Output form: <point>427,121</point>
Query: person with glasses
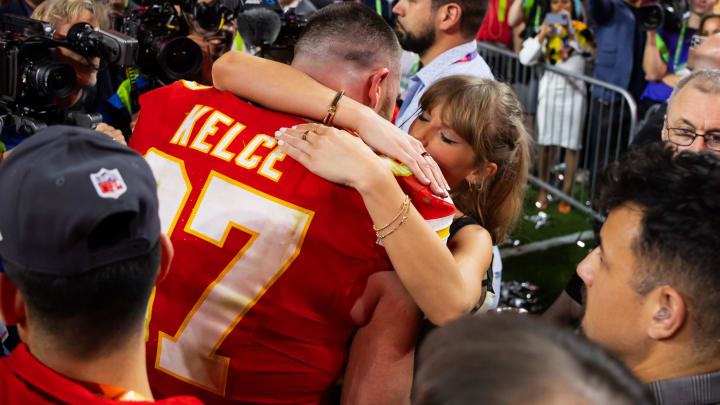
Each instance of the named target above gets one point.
<point>692,121</point>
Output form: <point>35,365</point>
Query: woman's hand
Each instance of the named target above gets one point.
<point>391,141</point>
<point>333,154</point>
<point>544,31</point>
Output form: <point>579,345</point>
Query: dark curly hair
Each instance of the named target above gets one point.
<point>679,243</point>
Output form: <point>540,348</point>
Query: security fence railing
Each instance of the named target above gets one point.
<point>580,124</point>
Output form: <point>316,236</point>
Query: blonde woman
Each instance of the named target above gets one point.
<point>471,127</point>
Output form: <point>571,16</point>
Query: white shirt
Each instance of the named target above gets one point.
<point>460,60</point>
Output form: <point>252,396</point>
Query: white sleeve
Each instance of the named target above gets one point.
<point>531,51</point>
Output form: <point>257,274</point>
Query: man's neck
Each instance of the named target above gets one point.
<point>694,21</point>
<point>441,45</point>
<point>666,364</point>
<point>125,367</point>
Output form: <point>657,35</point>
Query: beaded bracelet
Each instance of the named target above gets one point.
<point>403,209</point>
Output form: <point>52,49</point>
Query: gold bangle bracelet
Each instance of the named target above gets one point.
<point>333,109</point>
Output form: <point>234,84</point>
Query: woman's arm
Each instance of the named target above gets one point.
<point>515,14</point>
<point>444,285</point>
<point>653,64</point>
<point>284,88</point>
<point>532,48</point>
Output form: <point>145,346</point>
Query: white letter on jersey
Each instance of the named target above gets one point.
<point>182,135</point>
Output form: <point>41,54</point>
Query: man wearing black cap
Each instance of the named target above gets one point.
<point>81,245</point>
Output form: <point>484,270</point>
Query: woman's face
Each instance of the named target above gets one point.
<point>557,6</point>
<point>711,27</point>
<point>452,153</point>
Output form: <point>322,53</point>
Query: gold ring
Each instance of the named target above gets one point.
<point>305,134</point>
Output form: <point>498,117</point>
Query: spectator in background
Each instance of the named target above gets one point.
<point>620,43</point>
<point>442,33</point>
<point>82,249</point>
<point>22,8</point>
<point>561,100</point>
<point>652,282</point>
<point>495,28</point>
<point>666,53</point>
<point>699,100</point>
<point>511,359</point>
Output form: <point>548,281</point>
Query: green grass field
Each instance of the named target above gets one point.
<point>549,269</point>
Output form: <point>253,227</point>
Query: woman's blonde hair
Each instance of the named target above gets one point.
<point>488,116</point>
<point>58,12</point>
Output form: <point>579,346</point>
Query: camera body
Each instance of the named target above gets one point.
<point>272,32</point>
<point>664,13</point>
<point>165,53</point>
<point>32,79</point>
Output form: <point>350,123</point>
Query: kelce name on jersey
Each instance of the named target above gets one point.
<point>246,158</point>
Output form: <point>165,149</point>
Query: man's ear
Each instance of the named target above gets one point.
<point>167,252</point>
<point>664,132</point>
<point>448,16</point>
<point>377,88</point>
<point>12,304</point>
<point>668,311</point>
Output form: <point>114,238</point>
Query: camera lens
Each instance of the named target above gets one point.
<point>179,58</point>
<point>54,79</point>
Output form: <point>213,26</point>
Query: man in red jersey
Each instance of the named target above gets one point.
<point>277,271</point>
<point>81,244</point>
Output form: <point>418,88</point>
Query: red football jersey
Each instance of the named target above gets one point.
<point>24,380</point>
<point>269,258</point>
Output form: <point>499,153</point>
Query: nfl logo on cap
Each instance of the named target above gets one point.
<point>108,183</point>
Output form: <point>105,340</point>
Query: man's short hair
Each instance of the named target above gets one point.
<point>93,313</point>
<point>513,359</point>
<point>58,12</point>
<point>351,33</point>
<point>473,13</point>
<point>678,243</point>
<point>707,81</point>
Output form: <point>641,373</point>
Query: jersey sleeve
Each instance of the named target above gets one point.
<point>438,212</point>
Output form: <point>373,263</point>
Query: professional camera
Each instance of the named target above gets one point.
<point>271,32</point>
<point>31,78</point>
<point>664,13</point>
<point>162,26</point>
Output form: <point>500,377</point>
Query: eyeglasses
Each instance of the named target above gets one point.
<point>686,136</point>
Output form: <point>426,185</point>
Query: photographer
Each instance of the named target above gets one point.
<point>666,53</point>
<point>88,95</point>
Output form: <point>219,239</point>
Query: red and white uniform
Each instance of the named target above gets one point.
<point>269,258</point>
<point>24,381</point>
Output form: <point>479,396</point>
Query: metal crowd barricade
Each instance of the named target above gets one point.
<point>575,115</point>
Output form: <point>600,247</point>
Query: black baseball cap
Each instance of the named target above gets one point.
<point>62,189</point>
